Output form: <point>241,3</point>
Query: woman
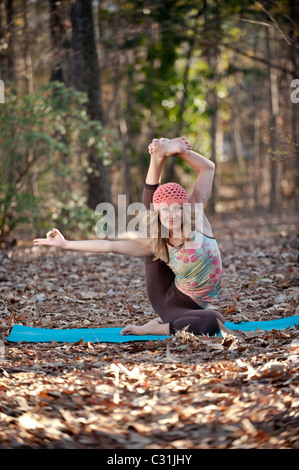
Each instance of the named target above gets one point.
<point>181,279</point>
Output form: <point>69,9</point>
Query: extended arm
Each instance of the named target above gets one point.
<point>138,248</point>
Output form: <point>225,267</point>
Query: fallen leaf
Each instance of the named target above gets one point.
<point>231,308</point>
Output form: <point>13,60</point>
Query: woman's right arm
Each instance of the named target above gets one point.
<point>138,248</point>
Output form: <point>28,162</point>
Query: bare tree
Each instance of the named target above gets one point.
<point>275,193</point>
<point>98,177</point>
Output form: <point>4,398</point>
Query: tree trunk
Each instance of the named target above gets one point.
<point>275,193</point>
<point>294,106</point>
<point>56,32</point>
<point>2,56</point>
<point>256,164</point>
<point>239,156</point>
<point>213,109</point>
<point>212,23</point>
<point>8,59</point>
<point>76,54</point>
<point>98,179</point>
<point>26,53</point>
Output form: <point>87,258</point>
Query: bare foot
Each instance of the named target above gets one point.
<point>174,147</point>
<point>160,149</point>
<point>156,151</point>
<point>153,327</point>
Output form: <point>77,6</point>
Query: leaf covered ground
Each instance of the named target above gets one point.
<point>235,391</point>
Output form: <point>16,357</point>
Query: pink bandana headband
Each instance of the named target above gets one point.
<point>169,193</point>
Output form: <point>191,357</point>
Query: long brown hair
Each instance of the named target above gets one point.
<point>152,227</point>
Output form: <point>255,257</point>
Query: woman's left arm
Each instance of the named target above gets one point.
<point>205,170</point>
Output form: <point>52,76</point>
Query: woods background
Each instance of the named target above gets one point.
<point>89,84</point>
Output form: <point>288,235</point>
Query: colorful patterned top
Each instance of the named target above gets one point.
<point>198,268</point>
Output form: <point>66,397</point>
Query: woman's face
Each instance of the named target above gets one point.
<point>172,218</point>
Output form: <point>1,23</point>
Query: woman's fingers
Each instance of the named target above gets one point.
<point>46,241</point>
<point>49,234</point>
<point>56,233</point>
<point>41,241</point>
<point>55,230</point>
<point>50,240</point>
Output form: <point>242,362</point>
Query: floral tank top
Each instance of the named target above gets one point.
<point>198,268</point>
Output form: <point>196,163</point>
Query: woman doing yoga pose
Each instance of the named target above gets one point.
<point>182,271</point>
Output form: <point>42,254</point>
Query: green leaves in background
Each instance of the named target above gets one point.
<point>44,141</point>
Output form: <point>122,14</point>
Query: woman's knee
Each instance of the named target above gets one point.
<point>220,316</point>
<point>205,323</point>
<point>212,325</point>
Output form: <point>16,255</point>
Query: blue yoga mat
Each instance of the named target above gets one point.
<point>112,335</point>
<point>94,335</point>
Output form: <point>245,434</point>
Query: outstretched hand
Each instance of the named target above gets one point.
<point>54,238</point>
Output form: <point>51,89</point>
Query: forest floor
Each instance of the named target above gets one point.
<point>235,391</point>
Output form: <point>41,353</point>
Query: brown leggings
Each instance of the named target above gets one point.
<point>172,305</point>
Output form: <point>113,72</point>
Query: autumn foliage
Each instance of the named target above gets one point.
<point>235,391</point>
